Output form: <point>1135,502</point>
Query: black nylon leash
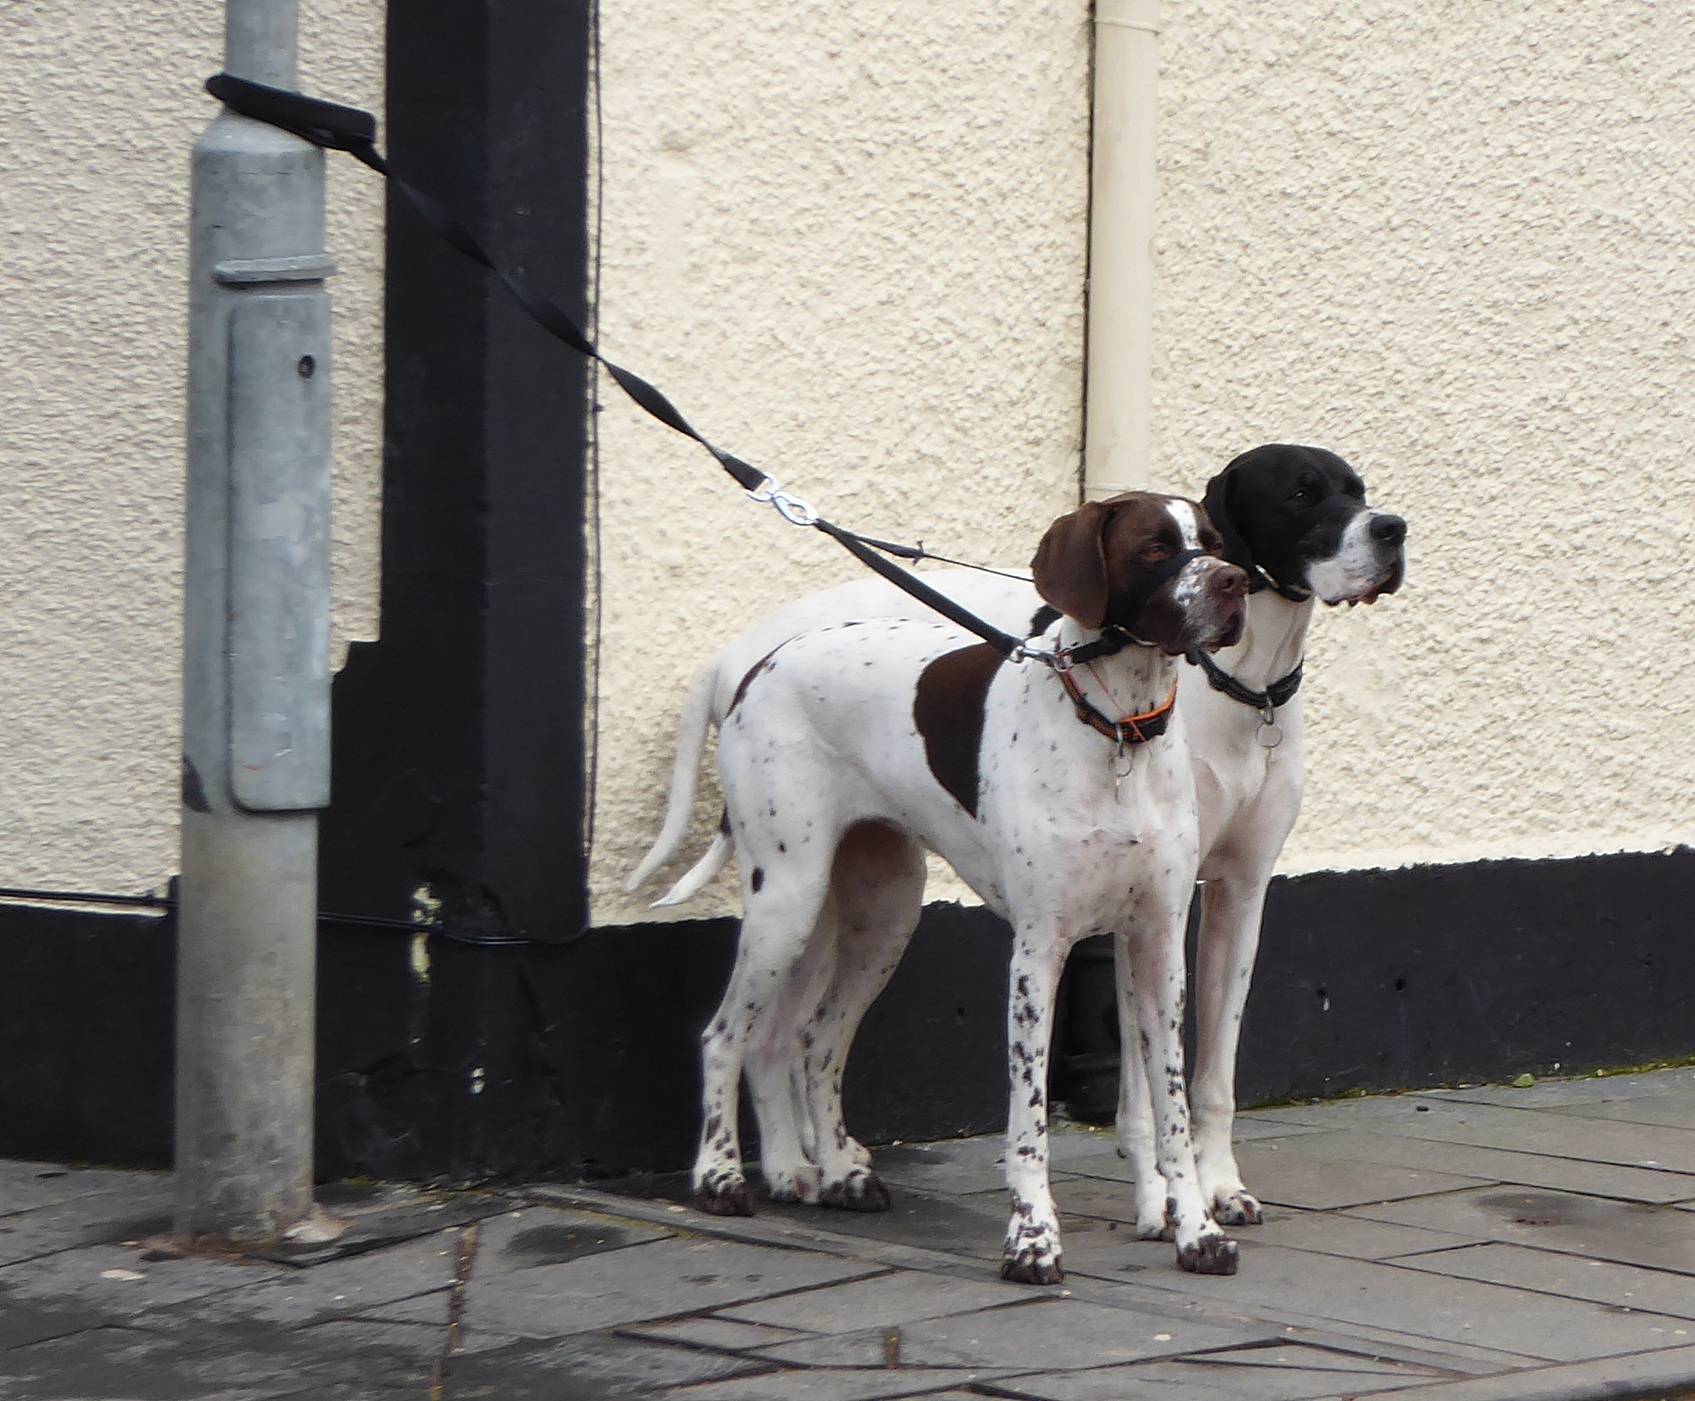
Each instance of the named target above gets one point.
<point>333,127</point>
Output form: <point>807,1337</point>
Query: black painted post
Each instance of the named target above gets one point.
<point>458,761</point>
<point>458,757</point>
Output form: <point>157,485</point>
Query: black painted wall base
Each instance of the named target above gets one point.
<point>579,1060</point>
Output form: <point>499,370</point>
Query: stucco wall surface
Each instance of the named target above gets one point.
<point>849,241</point>
<point>103,106</point>
<point>1453,242</point>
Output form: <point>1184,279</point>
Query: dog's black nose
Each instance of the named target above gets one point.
<point>1391,530</point>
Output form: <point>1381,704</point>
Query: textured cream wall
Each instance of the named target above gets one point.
<point>849,241</point>
<point>103,105</point>
<point>1456,242</point>
<point>1449,240</point>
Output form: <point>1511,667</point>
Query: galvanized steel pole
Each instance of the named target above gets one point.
<point>255,659</point>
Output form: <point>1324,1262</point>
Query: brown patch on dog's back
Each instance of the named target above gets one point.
<point>763,664</point>
<point>947,708</point>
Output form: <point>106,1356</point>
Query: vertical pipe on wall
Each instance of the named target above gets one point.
<point>1118,423</point>
<point>255,659</point>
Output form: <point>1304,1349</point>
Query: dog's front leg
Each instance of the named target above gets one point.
<point>1157,986</point>
<point>1031,1253</point>
<point>1231,908</point>
<point>1135,1110</point>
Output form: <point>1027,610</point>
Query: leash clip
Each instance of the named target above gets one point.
<point>791,508</point>
<point>1025,653</point>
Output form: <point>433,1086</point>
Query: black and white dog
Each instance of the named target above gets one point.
<point>1296,520</point>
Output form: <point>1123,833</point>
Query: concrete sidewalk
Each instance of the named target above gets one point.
<point>1457,1246</point>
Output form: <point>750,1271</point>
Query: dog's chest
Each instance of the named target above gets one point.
<point>1076,824</point>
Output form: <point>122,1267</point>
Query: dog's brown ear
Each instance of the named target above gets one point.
<point>1070,564</point>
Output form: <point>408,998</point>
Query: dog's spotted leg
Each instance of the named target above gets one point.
<point>877,885</point>
<point>1231,907</point>
<point>1135,1111</point>
<point>1156,957</point>
<point>780,913</point>
<point>790,1171</point>
<point>1031,1253</point>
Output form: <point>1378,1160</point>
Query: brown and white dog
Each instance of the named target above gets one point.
<point>1295,518</point>
<point>1063,797</point>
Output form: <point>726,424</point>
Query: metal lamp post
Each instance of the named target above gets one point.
<point>256,659</point>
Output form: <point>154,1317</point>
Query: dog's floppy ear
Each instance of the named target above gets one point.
<point>1220,503</point>
<point>1070,564</point>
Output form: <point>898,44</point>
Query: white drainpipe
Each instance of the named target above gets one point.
<point>1118,427</point>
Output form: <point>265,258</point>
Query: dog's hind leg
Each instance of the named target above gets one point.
<point>1231,907</point>
<point>1135,1111</point>
<point>774,1050</point>
<point>781,908</point>
<point>878,884</point>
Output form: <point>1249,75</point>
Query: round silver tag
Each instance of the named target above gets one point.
<point>1268,736</point>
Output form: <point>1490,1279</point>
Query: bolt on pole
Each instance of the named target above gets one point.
<point>255,767</point>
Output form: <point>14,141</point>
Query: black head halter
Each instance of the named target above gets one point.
<point>1115,637</point>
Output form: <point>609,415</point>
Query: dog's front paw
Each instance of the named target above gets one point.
<point>1236,1208</point>
<point>799,1184</point>
<point>1213,1253</point>
<point>1031,1252</point>
<point>860,1190</point>
<point>1154,1222</point>
<point>724,1194</point>
<point>1027,1268</point>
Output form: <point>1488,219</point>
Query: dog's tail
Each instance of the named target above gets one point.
<point>685,773</point>
<point>695,879</point>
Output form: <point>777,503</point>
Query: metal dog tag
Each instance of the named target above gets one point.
<point>1123,764</point>
<point>1269,735</point>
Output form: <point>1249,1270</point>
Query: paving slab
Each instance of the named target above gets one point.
<point>1119,1254</point>
<point>529,1236</point>
<point>1284,1173</point>
<point>1420,1305</point>
<point>661,1280</point>
<point>1492,1126</point>
<point>1668,1375</point>
<point>1487,1164</point>
<point>1665,1111</point>
<point>594,1365</point>
<point>1678,1081</point>
<point>1326,1233</point>
<point>863,1384</point>
<point>1046,1333</point>
<point>1569,1276</point>
<point>119,1364</point>
<point>338,1289</point>
<point>905,1297</point>
<point>134,1212</point>
<point>1657,1237</point>
<point>973,1224</point>
<point>117,1282</point>
<point>715,1332</point>
<point>373,1215</point>
<point>1265,1374</point>
<point>24,1186</point>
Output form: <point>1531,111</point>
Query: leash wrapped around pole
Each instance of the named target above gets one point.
<point>337,128</point>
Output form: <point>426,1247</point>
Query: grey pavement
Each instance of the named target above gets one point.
<point>1464,1245</point>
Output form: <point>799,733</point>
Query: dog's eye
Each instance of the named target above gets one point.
<point>1304,492</point>
<point>1156,551</point>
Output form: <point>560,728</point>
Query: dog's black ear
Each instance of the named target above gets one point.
<point>1220,501</point>
<point>1070,564</point>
